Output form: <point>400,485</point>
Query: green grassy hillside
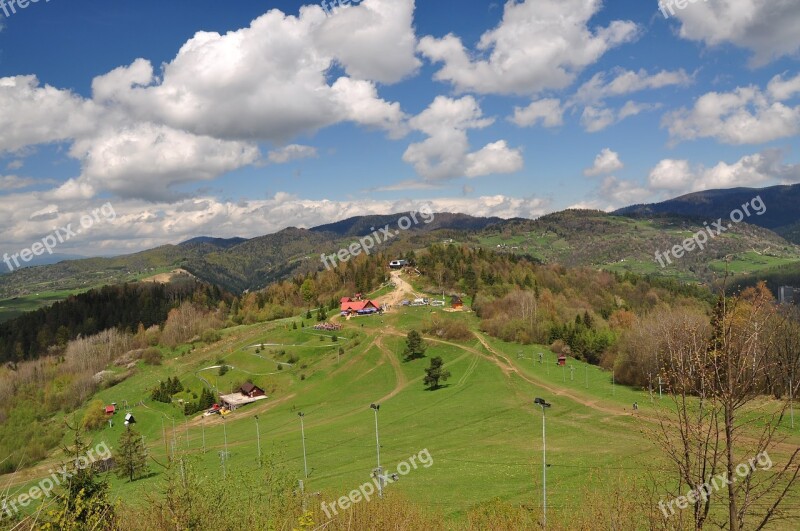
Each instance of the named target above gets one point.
<point>481,429</point>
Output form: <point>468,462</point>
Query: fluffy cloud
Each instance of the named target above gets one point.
<point>143,133</point>
<point>606,162</point>
<point>264,82</point>
<point>596,118</point>
<point>548,112</point>
<point>290,153</point>
<point>768,28</point>
<point>539,45</point>
<point>599,87</point>
<point>374,40</point>
<point>33,114</point>
<point>745,116</point>
<point>147,160</point>
<point>760,169</point>
<point>445,153</point>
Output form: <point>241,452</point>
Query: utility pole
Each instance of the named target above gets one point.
<point>564,373</point>
<point>187,433</point>
<point>303,435</point>
<point>791,400</point>
<point>659,387</point>
<point>258,441</point>
<point>225,454</point>
<point>164,435</point>
<point>375,408</point>
<point>541,402</point>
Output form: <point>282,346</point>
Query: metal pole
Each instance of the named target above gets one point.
<point>659,387</point>
<point>225,455</point>
<point>258,441</point>
<point>564,373</point>
<point>164,435</point>
<point>187,433</point>
<point>377,439</point>
<point>378,448</point>
<point>544,468</point>
<point>303,435</point>
<point>791,401</point>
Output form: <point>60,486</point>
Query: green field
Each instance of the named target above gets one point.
<point>482,429</point>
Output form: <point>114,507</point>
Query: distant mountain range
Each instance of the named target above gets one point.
<point>782,203</point>
<point>623,241</point>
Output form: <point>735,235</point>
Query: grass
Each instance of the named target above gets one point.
<point>481,429</point>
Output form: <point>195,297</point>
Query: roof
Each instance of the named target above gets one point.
<point>248,387</point>
<point>110,409</point>
<point>344,299</point>
<point>359,305</point>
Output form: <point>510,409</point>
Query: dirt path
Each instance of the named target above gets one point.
<point>403,290</point>
<point>402,381</point>
<point>555,390</point>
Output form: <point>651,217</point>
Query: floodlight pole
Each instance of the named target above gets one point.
<point>540,402</point>
<point>791,400</point>
<point>303,435</point>
<point>258,441</point>
<point>375,408</point>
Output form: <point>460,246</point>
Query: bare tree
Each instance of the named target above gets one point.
<point>717,382</point>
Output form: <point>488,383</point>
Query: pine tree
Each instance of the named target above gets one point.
<point>131,456</point>
<point>82,502</point>
<point>415,346</point>
<point>435,373</point>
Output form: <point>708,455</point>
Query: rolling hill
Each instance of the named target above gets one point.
<point>781,216</point>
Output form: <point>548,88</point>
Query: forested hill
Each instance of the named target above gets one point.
<point>123,306</point>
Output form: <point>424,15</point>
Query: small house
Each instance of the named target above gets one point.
<point>251,390</point>
<point>397,264</point>
<point>110,410</point>
<point>364,307</point>
<point>562,359</point>
<point>456,303</point>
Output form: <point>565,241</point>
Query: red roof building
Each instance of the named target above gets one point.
<point>110,410</point>
<point>360,307</point>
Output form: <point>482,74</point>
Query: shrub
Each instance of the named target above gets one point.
<point>152,356</point>
<point>210,336</point>
<point>95,416</point>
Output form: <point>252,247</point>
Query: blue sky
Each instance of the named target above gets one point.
<point>205,118</point>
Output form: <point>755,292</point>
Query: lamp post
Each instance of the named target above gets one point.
<point>375,408</point>
<point>258,441</point>
<point>541,402</point>
<point>303,435</point>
